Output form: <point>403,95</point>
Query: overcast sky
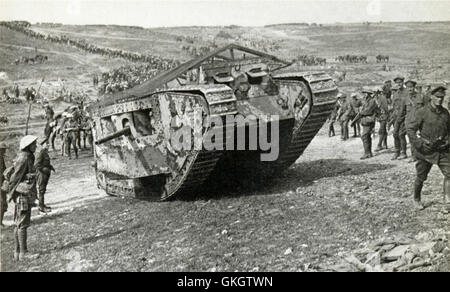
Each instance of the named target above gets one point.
<point>157,13</point>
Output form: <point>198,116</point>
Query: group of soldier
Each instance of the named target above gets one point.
<point>413,111</point>
<point>73,126</point>
<point>25,181</point>
<point>123,78</point>
<point>156,62</point>
<point>12,95</point>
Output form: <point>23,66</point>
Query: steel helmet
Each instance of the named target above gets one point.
<point>27,141</point>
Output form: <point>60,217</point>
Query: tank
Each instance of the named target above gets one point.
<point>230,115</point>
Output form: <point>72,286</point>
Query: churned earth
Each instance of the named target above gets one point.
<point>325,206</point>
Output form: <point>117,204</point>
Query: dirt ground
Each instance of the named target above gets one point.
<point>323,208</point>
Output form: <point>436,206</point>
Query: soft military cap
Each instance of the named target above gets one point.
<point>399,78</point>
<point>439,91</point>
<point>27,141</point>
<point>367,91</point>
<point>412,82</point>
<point>341,95</point>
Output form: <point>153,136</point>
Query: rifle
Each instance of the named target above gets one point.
<point>355,119</point>
<point>29,107</point>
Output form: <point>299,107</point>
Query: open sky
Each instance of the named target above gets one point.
<point>158,13</point>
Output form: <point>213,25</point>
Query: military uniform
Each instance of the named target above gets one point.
<point>413,102</point>
<point>387,89</point>
<point>368,113</point>
<point>43,171</point>
<point>24,171</point>
<point>399,116</point>
<point>70,137</point>
<point>332,119</point>
<point>383,119</point>
<point>344,118</point>
<point>356,105</point>
<point>432,145</point>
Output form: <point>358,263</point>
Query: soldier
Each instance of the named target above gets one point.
<point>16,91</point>
<point>69,132</point>
<point>43,171</point>
<point>387,89</point>
<point>49,112</point>
<point>77,118</point>
<point>399,115</point>
<point>3,201</point>
<point>383,118</point>
<point>356,105</point>
<point>343,115</point>
<point>432,144</point>
<point>413,102</point>
<point>332,120</point>
<point>21,189</point>
<point>86,131</point>
<point>368,114</point>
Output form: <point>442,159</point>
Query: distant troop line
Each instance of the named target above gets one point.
<point>156,62</point>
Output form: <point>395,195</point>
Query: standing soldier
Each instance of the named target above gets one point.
<point>387,89</point>
<point>432,144</point>
<point>343,115</point>
<point>22,187</point>
<point>3,201</point>
<point>356,105</point>
<point>383,118</point>
<point>413,102</point>
<point>399,115</point>
<point>70,137</point>
<point>332,119</point>
<point>43,171</point>
<point>367,115</point>
<point>49,112</point>
<point>16,91</point>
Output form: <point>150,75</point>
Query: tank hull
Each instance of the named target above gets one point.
<point>162,141</point>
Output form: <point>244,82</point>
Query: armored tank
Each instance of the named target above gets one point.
<point>234,112</point>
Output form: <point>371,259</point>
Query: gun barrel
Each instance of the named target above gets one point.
<point>124,131</point>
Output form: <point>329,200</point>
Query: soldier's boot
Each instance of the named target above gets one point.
<point>385,142</point>
<point>16,244</point>
<point>42,207</point>
<point>23,249</point>
<point>417,195</point>
<point>367,151</point>
<point>403,156</point>
<point>396,156</point>
<point>2,214</point>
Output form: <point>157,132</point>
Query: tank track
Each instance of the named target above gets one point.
<point>199,164</point>
<point>323,101</point>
